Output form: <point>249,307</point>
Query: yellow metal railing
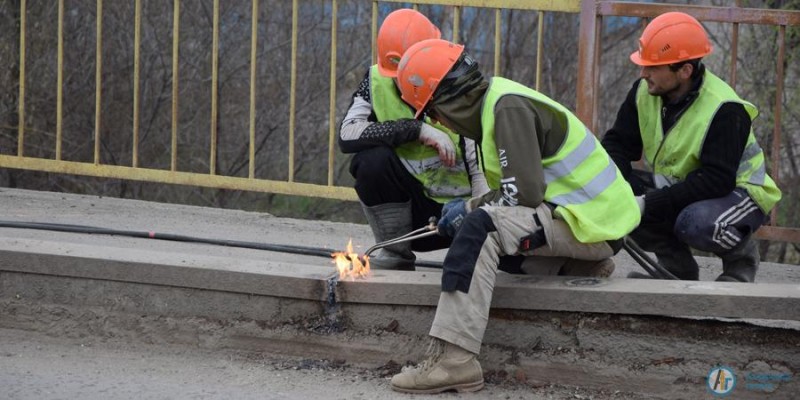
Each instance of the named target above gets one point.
<point>542,6</point>
<point>590,12</point>
<point>212,179</point>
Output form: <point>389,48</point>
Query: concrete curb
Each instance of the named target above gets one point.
<point>308,282</point>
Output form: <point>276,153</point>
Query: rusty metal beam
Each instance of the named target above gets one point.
<point>780,234</point>
<point>572,6</point>
<point>587,47</point>
<point>703,13</point>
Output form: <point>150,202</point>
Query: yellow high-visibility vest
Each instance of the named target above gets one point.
<point>672,157</point>
<point>582,181</point>
<point>441,183</point>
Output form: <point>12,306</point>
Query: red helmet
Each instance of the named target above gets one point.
<point>423,67</point>
<point>669,38</point>
<point>401,29</point>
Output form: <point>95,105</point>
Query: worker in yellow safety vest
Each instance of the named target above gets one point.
<point>405,169</point>
<point>555,197</point>
<point>706,185</point>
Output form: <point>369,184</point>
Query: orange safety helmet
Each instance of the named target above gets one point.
<point>423,67</point>
<point>401,29</point>
<point>670,38</point>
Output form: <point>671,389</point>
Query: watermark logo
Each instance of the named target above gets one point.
<point>720,381</point>
<point>766,382</point>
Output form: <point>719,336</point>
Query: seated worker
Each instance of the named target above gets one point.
<point>404,168</point>
<point>555,195</point>
<point>707,186</point>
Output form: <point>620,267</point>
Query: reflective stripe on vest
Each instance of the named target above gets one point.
<point>582,181</point>
<point>441,183</point>
<point>673,156</point>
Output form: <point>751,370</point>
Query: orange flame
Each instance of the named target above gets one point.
<point>349,264</point>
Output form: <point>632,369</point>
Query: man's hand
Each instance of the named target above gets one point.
<point>439,140</point>
<point>453,214</point>
<point>640,202</point>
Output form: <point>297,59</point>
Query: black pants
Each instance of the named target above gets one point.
<point>381,178</point>
<point>717,226</point>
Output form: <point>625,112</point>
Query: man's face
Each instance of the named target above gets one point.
<point>661,81</point>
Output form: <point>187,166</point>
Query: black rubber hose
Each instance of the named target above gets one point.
<point>650,265</point>
<point>281,248</point>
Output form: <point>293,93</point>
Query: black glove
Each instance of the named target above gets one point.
<point>453,214</point>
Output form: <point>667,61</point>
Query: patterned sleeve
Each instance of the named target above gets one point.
<point>360,129</point>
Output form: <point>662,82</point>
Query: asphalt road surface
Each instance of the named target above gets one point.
<point>34,366</point>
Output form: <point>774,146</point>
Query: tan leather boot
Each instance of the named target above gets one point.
<point>448,367</point>
<point>598,269</point>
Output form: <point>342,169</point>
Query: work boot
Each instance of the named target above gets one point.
<point>448,367</point>
<point>598,269</point>
<point>390,221</point>
<point>741,263</point>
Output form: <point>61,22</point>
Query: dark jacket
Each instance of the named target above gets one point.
<point>720,155</point>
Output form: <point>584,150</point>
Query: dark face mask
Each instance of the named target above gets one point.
<point>462,114</point>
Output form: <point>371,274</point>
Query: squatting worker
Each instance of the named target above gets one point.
<point>404,168</point>
<point>555,196</point>
<point>707,187</point>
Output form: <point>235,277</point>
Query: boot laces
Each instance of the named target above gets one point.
<point>433,353</point>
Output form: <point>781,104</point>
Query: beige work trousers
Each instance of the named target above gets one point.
<point>461,318</point>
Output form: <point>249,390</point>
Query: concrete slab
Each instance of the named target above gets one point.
<point>310,282</point>
<point>214,223</point>
<point>135,265</point>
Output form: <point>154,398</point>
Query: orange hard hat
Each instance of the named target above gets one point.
<point>401,29</point>
<point>423,67</point>
<point>670,38</point>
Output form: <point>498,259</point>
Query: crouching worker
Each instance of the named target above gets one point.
<point>707,186</point>
<point>404,168</point>
<point>555,196</point>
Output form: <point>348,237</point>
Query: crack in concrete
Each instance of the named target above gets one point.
<point>331,321</point>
